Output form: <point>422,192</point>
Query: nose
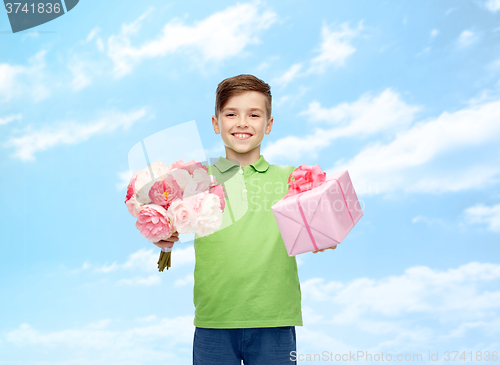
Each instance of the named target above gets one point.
<point>242,122</point>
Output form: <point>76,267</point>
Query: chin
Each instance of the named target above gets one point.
<point>242,151</point>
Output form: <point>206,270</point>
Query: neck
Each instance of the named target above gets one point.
<point>244,159</point>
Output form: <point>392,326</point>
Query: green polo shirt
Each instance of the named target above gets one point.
<point>243,276</point>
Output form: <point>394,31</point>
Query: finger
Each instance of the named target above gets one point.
<point>163,243</point>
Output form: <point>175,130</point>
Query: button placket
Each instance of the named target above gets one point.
<point>244,182</point>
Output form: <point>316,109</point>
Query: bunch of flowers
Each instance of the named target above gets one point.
<point>181,197</point>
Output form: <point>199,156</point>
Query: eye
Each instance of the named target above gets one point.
<point>227,115</point>
<point>255,115</point>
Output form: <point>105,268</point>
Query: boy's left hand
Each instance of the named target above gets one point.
<point>331,248</point>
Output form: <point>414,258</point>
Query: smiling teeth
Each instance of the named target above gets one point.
<point>242,135</point>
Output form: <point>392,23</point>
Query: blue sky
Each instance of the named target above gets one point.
<point>404,95</point>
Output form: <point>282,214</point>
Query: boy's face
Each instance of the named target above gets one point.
<point>244,113</point>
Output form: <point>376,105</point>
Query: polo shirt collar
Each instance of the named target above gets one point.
<point>261,165</point>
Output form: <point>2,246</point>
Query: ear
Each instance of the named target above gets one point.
<point>269,125</point>
<point>215,124</point>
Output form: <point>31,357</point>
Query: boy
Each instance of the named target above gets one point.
<point>247,290</point>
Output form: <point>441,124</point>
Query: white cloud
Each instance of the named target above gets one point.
<point>123,180</point>
<point>491,327</point>
<point>299,259</point>
<point>186,280</point>
<point>367,116</point>
<point>70,132</point>
<point>493,5</point>
<point>482,214</point>
<point>426,220</point>
<point>414,159</point>
<point>98,325</point>
<point>216,151</point>
<point>399,313</point>
<point>92,34</point>
<point>424,51</point>
<point>434,33</point>
<point>8,76</point>
<point>144,260</point>
<point>222,35</point>
<point>494,65</point>
<point>81,77</point>
<point>83,65</point>
<point>309,316</point>
<point>140,281</point>
<point>288,76</point>
<point>466,38</point>
<point>454,294</point>
<point>318,340</point>
<point>150,318</point>
<point>99,343</point>
<point>10,118</point>
<point>291,99</point>
<point>449,11</point>
<point>18,81</point>
<point>403,164</point>
<point>336,47</point>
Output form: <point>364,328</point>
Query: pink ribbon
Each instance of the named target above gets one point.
<point>307,224</point>
<point>343,196</point>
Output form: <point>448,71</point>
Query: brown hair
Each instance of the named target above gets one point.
<point>237,85</point>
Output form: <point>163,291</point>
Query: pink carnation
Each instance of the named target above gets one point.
<point>154,223</point>
<point>164,192</point>
<point>189,166</point>
<point>131,188</point>
<point>193,166</point>
<point>219,191</point>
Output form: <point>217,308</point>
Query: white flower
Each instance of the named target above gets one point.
<point>184,216</point>
<point>203,179</point>
<point>141,190</point>
<point>182,177</point>
<point>159,168</point>
<point>210,218</point>
<point>190,190</point>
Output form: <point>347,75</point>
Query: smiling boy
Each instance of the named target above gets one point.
<point>246,288</point>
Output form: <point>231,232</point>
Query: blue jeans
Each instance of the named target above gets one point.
<point>255,346</point>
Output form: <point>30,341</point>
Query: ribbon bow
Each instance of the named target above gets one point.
<point>306,177</point>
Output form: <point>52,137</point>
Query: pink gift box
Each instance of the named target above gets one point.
<point>318,218</point>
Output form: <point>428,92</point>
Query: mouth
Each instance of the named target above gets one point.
<point>241,135</point>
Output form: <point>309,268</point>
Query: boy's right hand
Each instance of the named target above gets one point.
<point>169,242</point>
